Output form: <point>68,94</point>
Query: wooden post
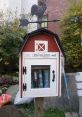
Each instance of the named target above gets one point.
<point>39,100</point>
<point>39,107</point>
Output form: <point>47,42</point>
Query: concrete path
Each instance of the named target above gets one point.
<point>12,90</point>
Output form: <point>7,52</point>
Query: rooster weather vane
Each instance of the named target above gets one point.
<point>37,10</point>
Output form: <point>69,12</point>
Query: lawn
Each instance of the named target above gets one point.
<point>28,111</point>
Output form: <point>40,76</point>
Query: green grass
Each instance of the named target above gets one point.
<point>53,112</point>
<point>28,111</point>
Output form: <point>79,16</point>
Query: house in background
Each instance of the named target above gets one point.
<point>55,10</point>
<point>11,9</point>
<point>16,8</point>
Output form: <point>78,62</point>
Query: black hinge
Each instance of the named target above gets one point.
<point>24,86</point>
<point>24,70</point>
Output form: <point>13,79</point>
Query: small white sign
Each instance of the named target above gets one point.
<point>40,54</point>
<point>41,46</point>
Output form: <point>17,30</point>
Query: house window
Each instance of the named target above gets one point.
<point>44,24</point>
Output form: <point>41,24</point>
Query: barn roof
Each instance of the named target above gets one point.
<point>43,31</point>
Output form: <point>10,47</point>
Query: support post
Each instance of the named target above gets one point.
<point>39,107</point>
<point>39,100</point>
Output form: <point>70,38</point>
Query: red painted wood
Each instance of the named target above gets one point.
<point>30,45</point>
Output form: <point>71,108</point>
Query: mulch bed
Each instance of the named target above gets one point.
<point>10,111</point>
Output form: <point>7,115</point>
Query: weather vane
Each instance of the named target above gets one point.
<point>37,10</point>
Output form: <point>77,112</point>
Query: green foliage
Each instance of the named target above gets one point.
<point>10,40</point>
<point>53,112</point>
<point>28,111</point>
<point>71,38</point>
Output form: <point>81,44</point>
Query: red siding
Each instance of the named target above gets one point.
<point>30,45</point>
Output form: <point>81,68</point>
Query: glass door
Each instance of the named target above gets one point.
<point>40,76</point>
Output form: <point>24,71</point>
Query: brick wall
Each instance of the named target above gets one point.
<point>55,10</point>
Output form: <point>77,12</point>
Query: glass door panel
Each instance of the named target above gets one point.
<point>40,76</point>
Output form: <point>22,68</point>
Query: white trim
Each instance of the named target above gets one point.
<point>20,74</point>
<point>44,46</point>
<point>45,55</point>
<point>60,73</point>
<point>59,47</point>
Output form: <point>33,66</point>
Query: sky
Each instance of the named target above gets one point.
<point>19,5</point>
<point>4,4</point>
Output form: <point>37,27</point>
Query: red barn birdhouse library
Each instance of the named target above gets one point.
<point>40,65</point>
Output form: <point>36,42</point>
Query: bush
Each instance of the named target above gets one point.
<point>11,37</point>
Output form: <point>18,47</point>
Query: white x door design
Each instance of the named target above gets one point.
<point>41,46</point>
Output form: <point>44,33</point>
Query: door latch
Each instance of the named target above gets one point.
<point>24,86</point>
<point>53,76</point>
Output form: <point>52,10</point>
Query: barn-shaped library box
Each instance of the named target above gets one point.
<point>40,65</point>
